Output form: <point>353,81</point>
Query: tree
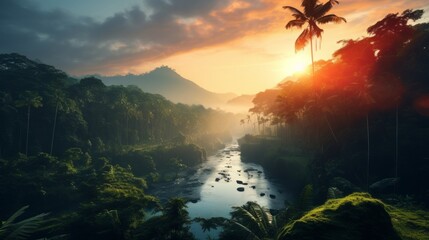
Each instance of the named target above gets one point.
<point>390,35</point>
<point>251,221</point>
<point>59,105</point>
<point>172,224</point>
<point>6,110</point>
<point>29,99</point>
<point>314,13</point>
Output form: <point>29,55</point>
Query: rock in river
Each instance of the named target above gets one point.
<point>240,189</point>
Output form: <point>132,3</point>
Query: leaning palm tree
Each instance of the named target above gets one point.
<point>314,13</point>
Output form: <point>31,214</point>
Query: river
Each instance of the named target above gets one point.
<point>213,188</point>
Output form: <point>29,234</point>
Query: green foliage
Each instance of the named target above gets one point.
<point>357,216</point>
<point>306,199</point>
<point>334,192</point>
<point>409,223</point>
<point>11,229</point>
<point>250,221</point>
<point>95,200</point>
<point>211,223</point>
<point>92,116</point>
<point>366,103</point>
<point>172,224</point>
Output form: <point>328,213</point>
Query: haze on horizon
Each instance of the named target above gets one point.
<point>236,46</point>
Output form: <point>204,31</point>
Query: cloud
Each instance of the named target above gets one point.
<point>163,28</point>
<point>83,45</point>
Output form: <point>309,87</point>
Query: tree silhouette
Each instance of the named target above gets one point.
<point>388,35</point>
<point>59,105</point>
<point>314,13</point>
<point>252,220</point>
<point>29,99</point>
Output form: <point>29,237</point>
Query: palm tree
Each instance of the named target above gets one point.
<point>29,99</point>
<point>177,218</point>
<point>255,220</point>
<point>59,105</point>
<point>6,107</point>
<point>314,13</point>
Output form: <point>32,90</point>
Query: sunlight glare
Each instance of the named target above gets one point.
<point>299,64</point>
<point>296,64</point>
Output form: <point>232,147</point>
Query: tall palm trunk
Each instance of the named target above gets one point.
<point>312,57</point>
<point>367,161</point>
<point>53,128</point>
<point>331,129</point>
<point>127,131</point>
<point>28,130</point>
<point>397,147</point>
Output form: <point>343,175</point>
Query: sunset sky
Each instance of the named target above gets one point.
<point>236,46</point>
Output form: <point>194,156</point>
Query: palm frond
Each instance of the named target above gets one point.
<point>302,40</point>
<point>23,229</point>
<point>26,227</point>
<point>309,6</point>
<point>321,9</point>
<point>295,12</point>
<point>15,216</point>
<point>331,18</point>
<point>257,211</point>
<point>315,30</point>
<point>248,217</point>
<point>263,214</point>
<point>241,226</point>
<point>295,23</point>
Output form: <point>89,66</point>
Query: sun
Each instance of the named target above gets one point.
<point>299,66</point>
<point>296,64</point>
<point>299,63</point>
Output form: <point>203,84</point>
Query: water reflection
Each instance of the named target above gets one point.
<point>220,192</point>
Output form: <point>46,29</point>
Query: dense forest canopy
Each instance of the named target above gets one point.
<point>62,112</point>
<point>365,111</point>
<point>88,153</point>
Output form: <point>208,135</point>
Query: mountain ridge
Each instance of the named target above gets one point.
<point>167,82</point>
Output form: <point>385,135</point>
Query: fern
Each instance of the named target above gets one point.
<point>12,230</point>
<point>305,201</point>
<point>334,192</point>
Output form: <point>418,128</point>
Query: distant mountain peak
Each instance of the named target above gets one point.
<point>166,81</point>
<point>164,72</point>
<point>163,68</point>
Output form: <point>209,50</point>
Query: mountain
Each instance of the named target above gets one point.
<point>241,103</point>
<point>167,82</point>
<point>18,72</point>
<point>242,100</point>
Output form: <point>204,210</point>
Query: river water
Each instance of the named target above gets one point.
<point>218,193</point>
<point>213,188</point>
